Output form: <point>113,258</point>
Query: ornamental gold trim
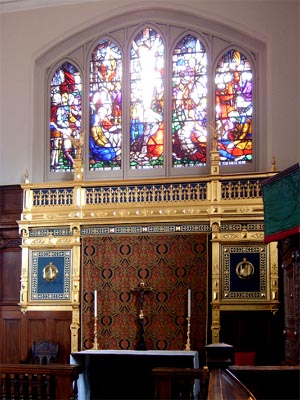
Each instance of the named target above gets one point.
<point>229,209</point>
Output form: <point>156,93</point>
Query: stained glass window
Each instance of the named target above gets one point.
<point>65,116</point>
<point>149,97</point>
<point>234,108</point>
<point>189,103</point>
<point>105,144</point>
<point>147,100</point>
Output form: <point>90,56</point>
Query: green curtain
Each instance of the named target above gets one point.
<point>281,197</point>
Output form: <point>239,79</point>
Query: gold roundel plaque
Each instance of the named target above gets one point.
<point>244,269</point>
<point>50,272</point>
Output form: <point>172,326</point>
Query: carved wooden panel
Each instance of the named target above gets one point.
<point>10,272</point>
<point>11,333</point>
<point>10,205</point>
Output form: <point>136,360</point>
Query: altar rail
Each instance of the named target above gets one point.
<point>28,381</point>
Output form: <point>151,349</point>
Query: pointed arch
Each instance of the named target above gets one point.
<point>121,141</point>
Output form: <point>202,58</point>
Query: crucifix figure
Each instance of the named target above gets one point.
<point>141,289</point>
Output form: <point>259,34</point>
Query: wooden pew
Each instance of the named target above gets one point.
<point>29,381</point>
<point>254,382</point>
<point>180,383</point>
<point>223,385</point>
<point>274,382</point>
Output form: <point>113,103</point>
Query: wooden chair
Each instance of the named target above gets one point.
<point>44,352</point>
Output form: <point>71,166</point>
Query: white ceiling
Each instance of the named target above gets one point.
<point>19,5</point>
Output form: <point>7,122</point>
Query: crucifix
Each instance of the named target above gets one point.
<point>141,289</point>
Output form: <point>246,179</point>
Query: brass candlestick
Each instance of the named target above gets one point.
<point>95,344</point>
<point>188,343</point>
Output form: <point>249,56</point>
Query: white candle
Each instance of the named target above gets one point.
<point>95,303</point>
<point>189,303</point>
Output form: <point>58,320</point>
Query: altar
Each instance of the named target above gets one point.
<point>126,374</point>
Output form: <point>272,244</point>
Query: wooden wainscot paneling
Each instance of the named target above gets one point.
<point>10,241</point>
<point>12,330</point>
<point>10,270</point>
<point>19,331</point>
<point>11,320</point>
<point>52,325</point>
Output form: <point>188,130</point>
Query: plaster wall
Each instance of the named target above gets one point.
<point>25,35</point>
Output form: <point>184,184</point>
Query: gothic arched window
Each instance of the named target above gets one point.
<point>148,99</point>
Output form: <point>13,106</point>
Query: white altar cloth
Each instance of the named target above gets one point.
<point>82,358</point>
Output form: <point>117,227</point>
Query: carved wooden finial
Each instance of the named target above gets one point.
<point>274,168</point>
<point>214,136</point>
<point>78,144</point>
<point>26,176</point>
